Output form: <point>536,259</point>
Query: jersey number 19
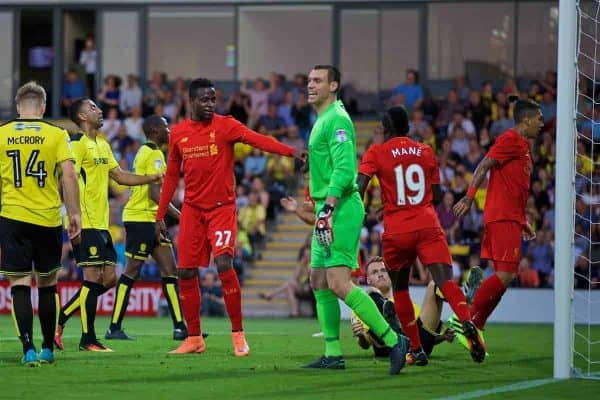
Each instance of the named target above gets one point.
<point>412,179</point>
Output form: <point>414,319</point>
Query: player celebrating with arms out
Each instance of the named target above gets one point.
<point>202,146</point>
<point>409,176</point>
<point>509,163</point>
<point>339,218</point>
<point>139,215</point>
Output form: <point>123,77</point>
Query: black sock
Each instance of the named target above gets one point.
<point>171,292</point>
<point>23,315</point>
<point>121,301</point>
<point>89,301</point>
<point>68,309</point>
<point>47,309</point>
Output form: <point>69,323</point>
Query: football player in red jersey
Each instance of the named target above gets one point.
<point>409,176</point>
<point>509,164</point>
<point>202,148</point>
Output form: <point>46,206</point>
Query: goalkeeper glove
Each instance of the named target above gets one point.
<point>323,228</point>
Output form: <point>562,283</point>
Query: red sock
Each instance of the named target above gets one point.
<point>406,314</point>
<point>232,294</point>
<point>456,299</point>
<point>487,298</point>
<point>189,296</point>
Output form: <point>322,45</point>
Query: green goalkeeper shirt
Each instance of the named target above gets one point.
<point>332,154</point>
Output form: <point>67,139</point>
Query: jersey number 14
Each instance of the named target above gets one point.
<point>40,173</point>
<point>412,179</point>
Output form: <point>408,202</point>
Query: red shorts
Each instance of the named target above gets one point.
<point>204,232</point>
<point>401,249</point>
<point>501,243</point>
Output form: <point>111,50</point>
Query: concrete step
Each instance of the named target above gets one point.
<point>279,256</point>
<point>298,226</point>
<point>274,264</point>
<point>262,283</point>
<point>297,237</point>
<point>291,246</point>
<point>281,274</point>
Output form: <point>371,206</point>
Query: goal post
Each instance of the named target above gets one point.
<point>565,187</point>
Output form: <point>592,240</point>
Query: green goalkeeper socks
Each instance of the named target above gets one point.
<point>365,308</point>
<point>328,313</point>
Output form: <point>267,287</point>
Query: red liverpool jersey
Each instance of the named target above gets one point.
<point>204,152</point>
<point>406,170</point>
<point>508,187</point>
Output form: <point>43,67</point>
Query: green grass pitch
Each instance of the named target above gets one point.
<point>141,369</point>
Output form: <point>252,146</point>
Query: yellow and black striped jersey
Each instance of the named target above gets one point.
<point>93,161</point>
<point>31,151</point>
<point>140,207</point>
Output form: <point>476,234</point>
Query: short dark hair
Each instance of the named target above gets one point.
<point>198,84</point>
<point>75,109</point>
<point>396,121</point>
<point>333,74</point>
<point>152,123</point>
<point>525,109</point>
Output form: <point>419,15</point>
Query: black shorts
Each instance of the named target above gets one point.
<point>427,337</point>
<point>141,240</point>
<point>95,249</point>
<point>24,245</point>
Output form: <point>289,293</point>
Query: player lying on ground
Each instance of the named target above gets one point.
<point>139,215</point>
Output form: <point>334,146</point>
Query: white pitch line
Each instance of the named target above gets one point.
<point>501,389</point>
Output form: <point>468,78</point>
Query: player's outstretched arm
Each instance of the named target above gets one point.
<point>306,211</point>
<point>71,198</point>
<point>154,193</point>
<point>464,204</point>
<point>130,179</point>
<point>363,182</point>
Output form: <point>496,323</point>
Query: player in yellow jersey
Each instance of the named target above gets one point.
<point>33,154</point>
<point>95,254</point>
<point>139,215</point>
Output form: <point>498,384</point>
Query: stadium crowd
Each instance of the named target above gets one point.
<point>460,127</point>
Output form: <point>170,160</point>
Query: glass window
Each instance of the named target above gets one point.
<point>285,39</point>
<point>477,33</point>
<point>359,49</point>
<point>399,45</point>
<point>120,44</point>
<point>191,42</point>
<point>6,64</point>
<point>537,46</point>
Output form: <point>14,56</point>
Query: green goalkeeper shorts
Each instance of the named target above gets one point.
<point>347,223</point>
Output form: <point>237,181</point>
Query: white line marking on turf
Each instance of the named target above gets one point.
<point>501,389</point>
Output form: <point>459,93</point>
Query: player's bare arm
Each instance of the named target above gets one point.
<point>154,193</point>
<point>71,199</point>
<point>130,179</point>
<point>464,204</point>
<point>438,194</point>
<point>305,211</point>
<point>363,182</point>
<point>528,231</point>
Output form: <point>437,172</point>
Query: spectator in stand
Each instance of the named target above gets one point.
<point>170,107</point>
<point>239,107</point>
<point>259,98</point>
<point>284,110</point>
<point>528,277</point>
<point>460,142</point>
<point>459,119</point>
<point>276,90</point>
<point>549,82</point>
<point>301,112</point>
<point>299,86</point>
<point>154,93</point>
<point>502,123</point>
<point>212,304</point>
<point>412,91</point>
<point>510,86</point>
<point>220,105</point>
<point>462,88</point>
<point>252,220</point>
<point>255,164</point>
<point>112,124</point>
<point>110,94</point>
<point>272,124</point>
<point>449,107</point>
<point>477,111</point>
<point>121,143</point>
<point>131,96</point>
<point>88,59</point>
<point>485,140</point>
<point>541,252</point>
<point>450,224</point>
<point>474,156</point>
<point>73,89</point>
<point>417,124</point>
<point>487,95</point>
<point>548,107</point>
<point>133,125</point>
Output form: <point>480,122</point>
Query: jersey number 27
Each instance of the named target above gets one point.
<point>412,179</point>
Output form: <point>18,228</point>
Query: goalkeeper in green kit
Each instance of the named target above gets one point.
<point>339,218</point>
